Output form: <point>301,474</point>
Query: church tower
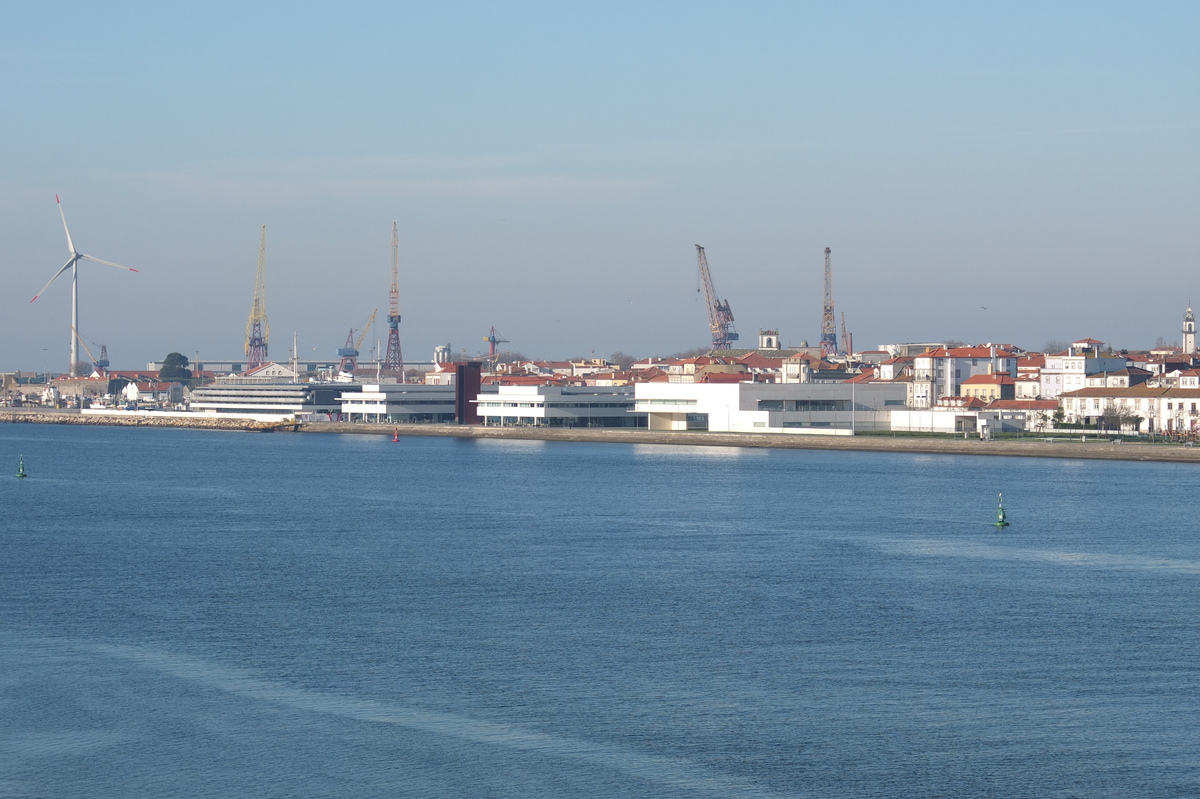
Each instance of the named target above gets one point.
<point>1189,331</point>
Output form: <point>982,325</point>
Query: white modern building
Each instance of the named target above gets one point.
<point>400,403</point>
<point>250,396</point>
<point>560,406</point>
<point>814,408</point>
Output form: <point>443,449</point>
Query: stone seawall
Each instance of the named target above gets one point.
<point>134,419</point>
<point>1073,447</point>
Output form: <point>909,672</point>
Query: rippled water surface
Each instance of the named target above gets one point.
<point>204,614</point>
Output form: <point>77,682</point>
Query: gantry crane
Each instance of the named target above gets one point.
<point>394,360</point>
<point>349,353</point>
<point>829,346</point>
<point>258,332</point>
<point>720,318</point>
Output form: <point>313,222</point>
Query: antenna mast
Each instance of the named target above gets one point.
<point>257,330</point>
<point>394,360</point>
<point>720,318</point>
<point>829,345</point>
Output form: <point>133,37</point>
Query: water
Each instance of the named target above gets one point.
<point>206,614</point>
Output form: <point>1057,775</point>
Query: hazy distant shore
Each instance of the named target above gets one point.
<point>1062,447</point>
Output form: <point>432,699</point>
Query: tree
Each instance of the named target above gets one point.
<point>174,367</point>
<point>1059,416</point>
<point>622,360</point>
<point>1054,345</point>
<point>1117,417</point>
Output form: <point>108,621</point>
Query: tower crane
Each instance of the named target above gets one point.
<point>349,353</point>
<point>258,332</point>
<point>720,318</point>
<point>493,338</point>
<point>829,345</point>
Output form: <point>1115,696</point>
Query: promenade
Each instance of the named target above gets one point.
<point>1081,446</point>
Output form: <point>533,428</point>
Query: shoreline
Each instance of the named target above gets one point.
<point>1061,447</point>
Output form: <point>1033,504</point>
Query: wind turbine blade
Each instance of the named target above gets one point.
<point>65,267</point>
<point>70,244</point>
<point>106,263</point>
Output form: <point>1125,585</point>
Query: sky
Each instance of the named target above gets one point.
<point>1017,172</point>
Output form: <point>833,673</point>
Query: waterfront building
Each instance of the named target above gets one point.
<point>560,406</point>
<point>831,408</point>
<point>407,403</point>
<point>258,397</point>
<point>960,415</point>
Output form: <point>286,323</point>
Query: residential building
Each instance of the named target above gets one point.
<point>990,387</point>
<point>940,372</point>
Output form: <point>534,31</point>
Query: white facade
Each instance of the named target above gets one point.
<point>556,406</point>
<point>940,373</point>
<point>805,408</point>
<point>1051,376</point>
<point>399,402</point>
<point>238,395</point>
<point>1189,332</point>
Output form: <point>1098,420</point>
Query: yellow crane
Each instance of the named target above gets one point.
<point>349,353</point>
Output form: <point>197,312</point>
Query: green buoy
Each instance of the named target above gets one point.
<point>1001,519</point>
<point>21,466</point>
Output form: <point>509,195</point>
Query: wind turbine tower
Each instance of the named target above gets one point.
<point>258,332</point>
<point>73,265</point>
<point>393,361</point>
<point>829,345</point>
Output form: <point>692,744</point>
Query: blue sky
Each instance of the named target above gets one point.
<point>551,165</point>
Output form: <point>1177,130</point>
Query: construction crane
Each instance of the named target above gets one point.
<point>829,345</point>
<point>847,341</point>
<point>393,361</point>
<point>720,318</point>
<point>349,353</point>
<point>258,332</point>
<point>493,338</point>
<point>99,364</point>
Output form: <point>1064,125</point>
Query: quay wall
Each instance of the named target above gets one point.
<point>140,419</point>
<point>1061,447</point>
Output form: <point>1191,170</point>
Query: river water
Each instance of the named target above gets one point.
<point>215,614</point>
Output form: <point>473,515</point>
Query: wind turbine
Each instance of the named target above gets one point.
<point>73,265</point>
